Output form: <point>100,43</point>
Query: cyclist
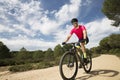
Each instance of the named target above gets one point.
<point>81,33</point>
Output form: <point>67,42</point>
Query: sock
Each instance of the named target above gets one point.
<point>85,56</point>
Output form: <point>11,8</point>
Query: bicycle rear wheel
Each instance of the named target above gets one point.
<point>88,65</point>
<point>68,66</point>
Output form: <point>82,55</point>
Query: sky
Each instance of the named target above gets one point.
<point>42,24</point>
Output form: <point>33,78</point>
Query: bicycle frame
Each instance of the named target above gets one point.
<point>71,59</point>
<point>76,52</point>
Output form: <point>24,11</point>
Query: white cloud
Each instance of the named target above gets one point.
<point>23,29</point>
<point>99,29</point>
<point>5,29</point>
<point>66,12</point>
<point>13,11</point>
<point>31,13</point>
<point>17,43</point>
<point>62,34</point>
<point>37,18</point>
<point>46,27</point>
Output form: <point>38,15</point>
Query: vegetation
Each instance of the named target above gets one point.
<point>30,66</point>
<point>109,45</point>
<point>24,60</point>
<point>4,51</point>
<point>111,8</point>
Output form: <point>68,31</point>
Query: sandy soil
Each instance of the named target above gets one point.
<point>105,67</point>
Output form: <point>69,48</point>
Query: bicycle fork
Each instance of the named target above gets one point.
<point>71,61</point>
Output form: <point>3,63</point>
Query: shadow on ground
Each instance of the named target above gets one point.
<point>102,72</point>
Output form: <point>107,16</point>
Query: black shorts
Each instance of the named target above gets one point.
<point>87,40</point>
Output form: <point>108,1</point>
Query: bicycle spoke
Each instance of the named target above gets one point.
<point>69,66</point>
<point>88,65</point>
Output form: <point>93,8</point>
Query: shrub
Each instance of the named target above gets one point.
<point>19,68</point>
<point>32,66</point>
<point>7,62</point>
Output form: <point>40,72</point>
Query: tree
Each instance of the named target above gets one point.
<point>111,8</point>
<point>23,54</point>
<point>38,55</point>
<point>110,44</point>
<point>104,43</point>
<point>4,51</point>
<point>114,41</point>
<point>96,50</point>
<point>67,47</point>
<point>23,49</point>
<point>49,55</point>
<point>58,51</point>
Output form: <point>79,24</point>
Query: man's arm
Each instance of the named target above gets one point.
<point>68,37</point>
<point>84,34</point>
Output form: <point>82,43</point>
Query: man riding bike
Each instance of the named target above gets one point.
<point>81,33</point>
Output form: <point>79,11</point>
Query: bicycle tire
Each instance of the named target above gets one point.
<point>61,64</point>
<point>84,66</point>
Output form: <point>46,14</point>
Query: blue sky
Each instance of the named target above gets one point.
<point>42,24</point>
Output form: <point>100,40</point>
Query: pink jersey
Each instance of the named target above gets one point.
<point>78,31</point>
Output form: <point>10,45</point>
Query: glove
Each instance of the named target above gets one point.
<point>63,43</point>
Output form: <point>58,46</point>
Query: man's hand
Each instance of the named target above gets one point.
<point>63,43</point>
<point>69,36</point>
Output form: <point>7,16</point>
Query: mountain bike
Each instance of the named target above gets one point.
<point>68,65</point>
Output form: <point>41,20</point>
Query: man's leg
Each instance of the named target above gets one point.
<point>83,49</point>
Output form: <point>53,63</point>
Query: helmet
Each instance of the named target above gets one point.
<point>74,20</point>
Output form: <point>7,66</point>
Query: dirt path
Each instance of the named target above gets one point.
<point>105,67</point>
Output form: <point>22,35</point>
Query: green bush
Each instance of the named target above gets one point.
<point>7,62</point>
<point>32,66</point>
<point>43,65</point>
<point>114,51</point>
<point>57,60</point>
<point>19,68</point>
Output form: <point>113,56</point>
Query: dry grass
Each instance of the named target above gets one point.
<point>5,68</point>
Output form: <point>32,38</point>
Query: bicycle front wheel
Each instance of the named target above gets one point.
<point>68,66</point>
